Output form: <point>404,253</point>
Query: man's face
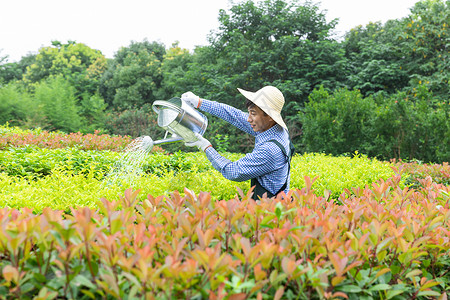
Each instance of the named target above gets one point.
<point>259,121</point>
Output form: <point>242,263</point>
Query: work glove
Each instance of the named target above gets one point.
<point>201,142</point>
<point>191,99</point>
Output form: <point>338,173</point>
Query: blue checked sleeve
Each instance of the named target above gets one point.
<point>257,163</point>
<point>229,114</point>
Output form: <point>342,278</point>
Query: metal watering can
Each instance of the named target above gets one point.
<point>178,118</point>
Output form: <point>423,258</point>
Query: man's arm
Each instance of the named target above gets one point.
<point>228,113</point>
<point>257,163</point>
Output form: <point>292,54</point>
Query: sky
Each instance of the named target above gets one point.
<point>108,25</point>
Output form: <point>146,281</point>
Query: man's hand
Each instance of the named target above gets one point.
<point>191,99</point>
<point>201,143</point>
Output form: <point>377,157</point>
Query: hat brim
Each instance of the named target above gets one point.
<point>253,97</point>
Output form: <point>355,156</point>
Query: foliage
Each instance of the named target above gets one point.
<point>56,97</point>
<point>289,44</point>
<point>375,58</point>
<point>385,242</point>
<point>133,122</point>
<point>92,110</point>
<point>333,175</point>
<point>413,125</point>
<point>337,123</point>
<point>175,63</point>
<point>402,53</point>
<point>281,43</point>
<point>13,71</point>
<point>369,235</point>
<point>16,107</point>
<point>32,162</point>
<point>134,75</point>
<point>76,62</point>
<point>403,126</point>
<point>161,173</point>
<point>425,45</point>
<point>420,172</point>
<point>11,137</point>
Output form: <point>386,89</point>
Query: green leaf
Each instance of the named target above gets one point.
<point>279,210</point>
<point>392,293</point>
<point>351,289</point>
<point>429,293</point>
<point>380,287</point>
<point>39,277</point>
<point>83,280</point>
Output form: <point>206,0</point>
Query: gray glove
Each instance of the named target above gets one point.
<point>201,143</point>
<point>191,99</point>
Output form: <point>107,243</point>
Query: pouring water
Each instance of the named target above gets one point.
<point>177,118</point>
<point>129,165</point>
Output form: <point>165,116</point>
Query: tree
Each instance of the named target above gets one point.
<point>134,76</point>
<point>425,41</point>
<point>14,71</point>
<point>402,53</point>
<point>174,66</point>
<point>282,43</point>
<point>374,58</point>
<point>57,99</point>
<point>16,106</point>
<point>286,44</point>
<point>78,63</point>
<point>337,123</point>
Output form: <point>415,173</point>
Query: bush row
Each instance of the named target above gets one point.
<point>16,137</point>
<point>382,242</point>
<point>41,174</point>
<point>406,125</point>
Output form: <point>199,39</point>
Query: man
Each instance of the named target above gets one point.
<point>268,165</point>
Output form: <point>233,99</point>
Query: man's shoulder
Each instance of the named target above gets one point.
<point>271,146</point>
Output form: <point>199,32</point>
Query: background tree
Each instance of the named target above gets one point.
<point>14,71</point>
<point>375,58</point>
<point>81,65</point>
<point>176,62</point>
<point>16,106</point>
<point>286,44</point>
<point>402,53</point>
<point>272,42</point>
<point>57,100</point>
<point>133,77</point>
<point>425,44</point>
<point>396,74</point>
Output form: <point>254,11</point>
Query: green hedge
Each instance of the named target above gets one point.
<point>407,125</point>
<point>39,177</point>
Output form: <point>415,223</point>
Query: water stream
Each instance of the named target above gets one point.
<point>128,167</point>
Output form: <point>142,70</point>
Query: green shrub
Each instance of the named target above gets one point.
<point>411,126</point>
<point>338,123</point>
<point>15,137</point>
<point>16,107</point>
<point>407,125</point>
<point>383,243</point>
<point>59,104</point>
<point>92,110</point>
<point>163,174</point>
<point>336,174</point>
<point>39,162</point>
<point>134,122</point>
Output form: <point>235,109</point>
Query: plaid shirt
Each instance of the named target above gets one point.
<point>266,162</point>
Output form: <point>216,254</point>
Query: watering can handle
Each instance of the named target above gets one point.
<point>157,103</point>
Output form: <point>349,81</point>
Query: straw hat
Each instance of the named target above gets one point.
<point>270,100</point>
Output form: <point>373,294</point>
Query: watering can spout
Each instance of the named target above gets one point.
<point>173,139</point>
<point>148,142</point>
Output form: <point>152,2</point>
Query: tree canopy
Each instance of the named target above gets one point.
<point>402,65</point>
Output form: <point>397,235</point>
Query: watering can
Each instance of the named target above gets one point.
<point>179,119</point>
